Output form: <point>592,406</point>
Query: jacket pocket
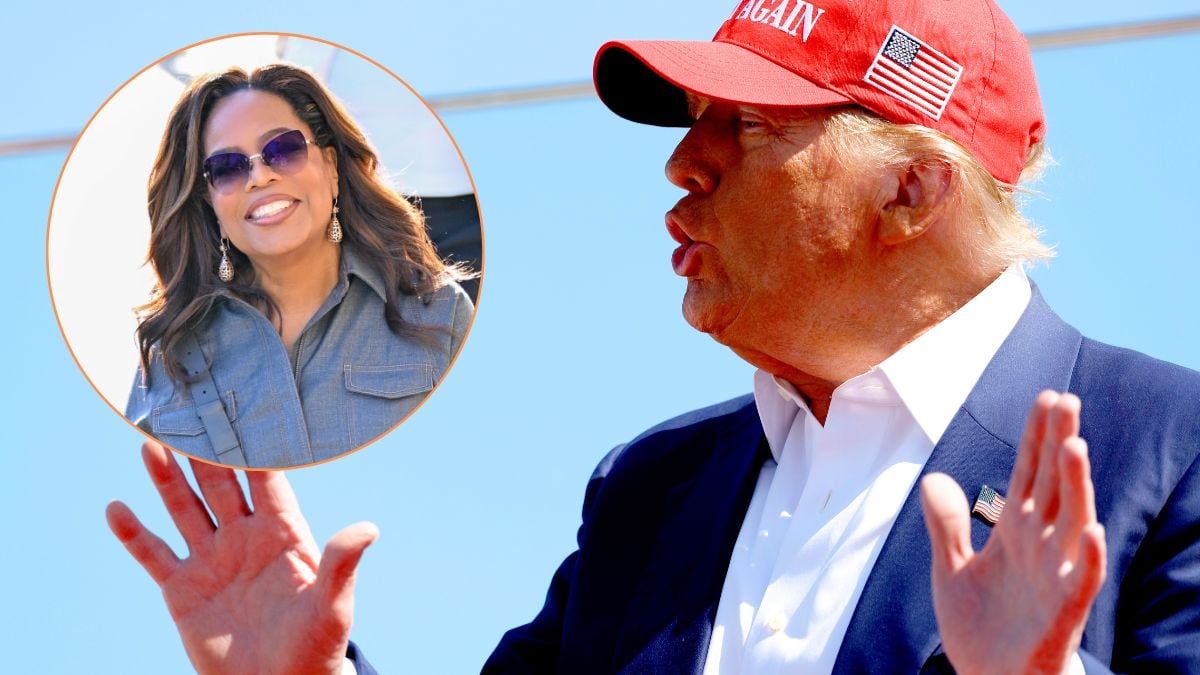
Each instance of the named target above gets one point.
<point>389,382</point>
<point>181,419</point>
<point>379,397</point>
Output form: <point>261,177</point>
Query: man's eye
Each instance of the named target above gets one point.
<point>749,124</point>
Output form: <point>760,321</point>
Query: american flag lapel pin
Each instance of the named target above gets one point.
<point>989,504</point>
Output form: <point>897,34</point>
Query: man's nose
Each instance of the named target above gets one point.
<point>690,166</point>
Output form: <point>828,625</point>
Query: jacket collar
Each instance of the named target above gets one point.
<point>670,620</point>
<point>893,628</point>
<point>353,264</point>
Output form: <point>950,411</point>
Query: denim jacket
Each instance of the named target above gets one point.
<point>347,380</point>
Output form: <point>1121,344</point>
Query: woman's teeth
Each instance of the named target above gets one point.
<point>268,210</point>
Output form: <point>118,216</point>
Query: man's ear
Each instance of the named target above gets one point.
<point>920,193</point>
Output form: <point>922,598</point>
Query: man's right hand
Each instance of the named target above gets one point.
<point>254,594</point>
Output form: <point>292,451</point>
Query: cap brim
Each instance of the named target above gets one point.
<point>646,80</point>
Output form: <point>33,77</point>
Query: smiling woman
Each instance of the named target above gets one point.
<point>300,309</point>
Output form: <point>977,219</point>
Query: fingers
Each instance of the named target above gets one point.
<point>272,493</point>
<point>1053,474</point>
<point>1077,495</point>
<point>1021,485</point>
<point>152,553</point>
<point>221,491</point>
<point>339,563</point>
<point>948,521</point>
<point>1062,423</point>
<point>1091,565</point>
<point>185,507</point>
<point>1088,572</point>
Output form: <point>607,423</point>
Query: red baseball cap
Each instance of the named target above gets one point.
<point>957,66</point>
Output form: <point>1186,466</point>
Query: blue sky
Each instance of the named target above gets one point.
<point>578,344</point>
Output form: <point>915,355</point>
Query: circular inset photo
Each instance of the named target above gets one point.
<point>264,250</point>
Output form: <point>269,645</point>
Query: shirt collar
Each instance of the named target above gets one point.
<point>934,373</point>
<point>931,376</point>
<point>778,403</point>
<point>353,264</point>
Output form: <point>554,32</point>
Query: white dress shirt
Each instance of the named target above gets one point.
<point>827,498</point>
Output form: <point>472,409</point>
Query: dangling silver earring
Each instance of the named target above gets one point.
<point>334,233</point>
<point>225,267</point>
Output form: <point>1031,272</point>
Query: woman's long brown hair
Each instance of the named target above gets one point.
<point>384,229</point>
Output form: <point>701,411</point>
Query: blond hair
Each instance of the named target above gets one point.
<point>991,232</point>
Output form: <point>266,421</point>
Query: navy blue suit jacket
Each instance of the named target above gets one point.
<point>661,515</point>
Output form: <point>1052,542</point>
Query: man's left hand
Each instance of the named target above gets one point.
<point>1020,604</point>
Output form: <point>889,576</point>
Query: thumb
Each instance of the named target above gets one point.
<point>339,562</point>
<point>948,521</point>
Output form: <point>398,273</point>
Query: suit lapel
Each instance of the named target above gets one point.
<point>893,628</point>
<point>670,622</point>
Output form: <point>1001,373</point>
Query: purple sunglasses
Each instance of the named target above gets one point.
<point>229,171</point>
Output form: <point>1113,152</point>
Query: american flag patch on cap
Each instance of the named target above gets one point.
<point>910,70</point>
<point>989,504</point>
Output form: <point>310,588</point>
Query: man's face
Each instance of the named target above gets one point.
<point>775,232</point>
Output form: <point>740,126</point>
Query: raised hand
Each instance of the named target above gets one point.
<point>1020,604</point>
<point>254,595</point>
